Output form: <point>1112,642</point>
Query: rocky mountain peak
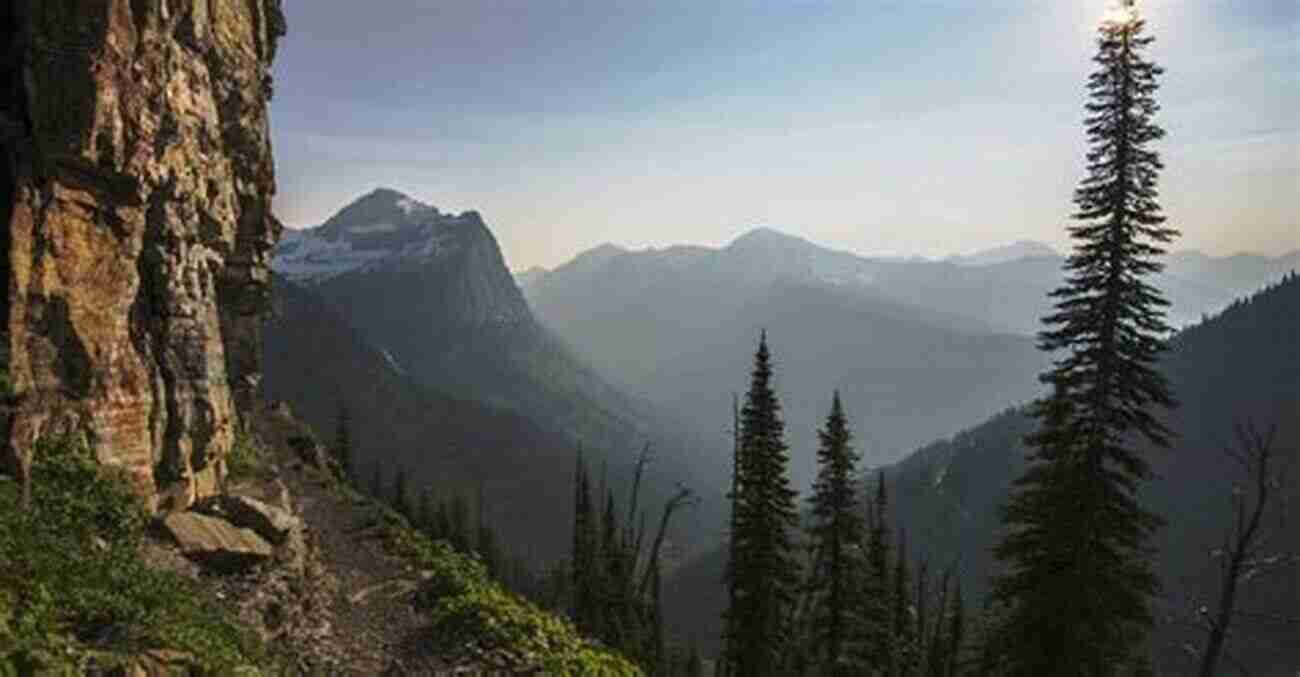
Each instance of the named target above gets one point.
<point>383,228</point>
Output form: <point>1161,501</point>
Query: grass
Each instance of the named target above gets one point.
<point>471,615</point>
<point>74,592</point>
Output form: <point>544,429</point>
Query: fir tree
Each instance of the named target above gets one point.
<point>426,514</point>
<point>376,486</point>
<point>694,664</point>
<point>903,657</point>
<point>956,632</point>
<point>343,442</point>
<point>584,556</point>
<point>443,521</point>
<point>1078,584</point>
<point>399,497</point>
<point>877,595</point>
<point>460,536</point>
<point>837,539</point>
<point>764,569</point>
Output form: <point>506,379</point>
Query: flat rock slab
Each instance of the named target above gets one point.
<point>216,543</point>
<point>268,521</point>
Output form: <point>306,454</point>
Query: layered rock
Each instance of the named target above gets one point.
<point>135,188</point>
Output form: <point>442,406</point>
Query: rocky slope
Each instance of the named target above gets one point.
<point>135,188</point>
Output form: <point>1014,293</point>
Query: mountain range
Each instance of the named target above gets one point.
<point>409,318</point>
<point>1240,366</point>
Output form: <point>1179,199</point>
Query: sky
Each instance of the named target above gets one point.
<point>908,128</point>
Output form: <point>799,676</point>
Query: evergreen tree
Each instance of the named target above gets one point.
<point>694,664</point>
<point>489,552</point>
<point>443,521</point>
<point>729,573</point>
<point>836,536</point>
<point>904,655</point>
<point>1078,584</point>
<point>615,591</point>
<point>764,571</point>
<point>399,497</point>
<point>343,442</point>
<point>460,536</point>
<point>376,486</point>
<point>426,514</point>
<point>877,595</point>
<point>584,559</point>
<point>956,633</point>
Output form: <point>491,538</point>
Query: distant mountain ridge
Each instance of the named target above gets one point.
<point>1020,249</point>
<point>1003,288</point>
<point>677,327</point>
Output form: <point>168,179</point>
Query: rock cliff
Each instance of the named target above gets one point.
<point>135,188</point>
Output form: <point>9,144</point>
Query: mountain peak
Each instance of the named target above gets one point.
<point>766,236</point>
<point>1020,249</point>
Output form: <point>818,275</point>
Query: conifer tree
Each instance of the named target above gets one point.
<point>956,632</point>
<point>399,497</point>
<point>615,591</point>
<point>764,571</point>
<point>903,658</point>
<point>443,521</point>
<point>1077,584</point>
<point>343,442</point>
<point>584,560</point>
<point>426,514</point>
<point>837,539</point>
<point>694,664</point>
<point>877,594</point>
<point>460,536</point>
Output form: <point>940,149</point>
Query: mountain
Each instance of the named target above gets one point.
<point>1242,365</point>
<point>1003,289</point>
<point>526,277</point>
<point>678,326</point>
<point>315,361</point>
<point>1020,249</point>
<point>431,293</point>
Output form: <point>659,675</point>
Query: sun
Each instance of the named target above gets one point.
<point>1120,13</point>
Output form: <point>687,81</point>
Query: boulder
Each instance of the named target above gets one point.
<point>216,543</point>
<point>272,523</point>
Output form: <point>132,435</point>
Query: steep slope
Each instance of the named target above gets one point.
<point>317,363</point>
<point>432,291</point>
<point>135,188</point>
<point>1243,365</point>
<point>431,294</point>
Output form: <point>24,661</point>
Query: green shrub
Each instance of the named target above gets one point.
<point>246,458</point>
<point>73,589</point>
<point>471,614</point>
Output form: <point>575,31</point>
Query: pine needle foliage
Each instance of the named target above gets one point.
<point>1078,582</point>
<point>764,571</point>
<point>837,536</point>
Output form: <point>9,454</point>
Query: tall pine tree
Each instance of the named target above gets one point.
<point>764,570</point>
<point>877,595</point>
<point>343,443</point>
<point>837,538</point>
<point>1077,584</point>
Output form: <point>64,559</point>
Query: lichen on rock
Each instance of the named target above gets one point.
<point>136,180</point>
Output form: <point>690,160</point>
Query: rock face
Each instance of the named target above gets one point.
<point>135,190</point>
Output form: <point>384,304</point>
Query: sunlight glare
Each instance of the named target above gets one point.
<point>1120,13</point>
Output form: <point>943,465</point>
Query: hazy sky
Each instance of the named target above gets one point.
<point>917,127</point>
